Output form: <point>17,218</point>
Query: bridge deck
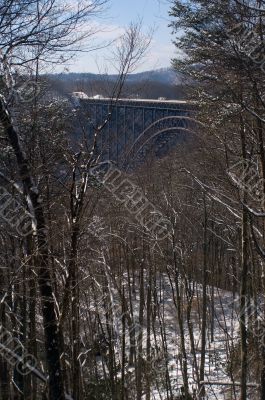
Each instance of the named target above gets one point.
<point>134,122</point>
<point>166,101</point>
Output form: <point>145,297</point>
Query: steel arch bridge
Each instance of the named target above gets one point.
<point>137,126</point>
<point>165,126</point>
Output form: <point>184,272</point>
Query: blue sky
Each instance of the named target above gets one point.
<point>119,13</point>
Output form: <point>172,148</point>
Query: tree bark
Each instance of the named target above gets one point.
<point>56,389</point>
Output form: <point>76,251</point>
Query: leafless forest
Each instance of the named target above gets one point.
<point>146,282</point>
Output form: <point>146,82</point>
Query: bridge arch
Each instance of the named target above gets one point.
<point>171,124</point>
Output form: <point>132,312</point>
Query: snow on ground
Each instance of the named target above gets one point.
<point>221,339</point>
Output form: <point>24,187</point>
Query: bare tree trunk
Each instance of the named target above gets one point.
<point>73,273</point>
<point>243,288</point>
<point>56,390</point>
<point>4,376</point>
<point>148,333</point>
<point>204,301</point>
<point>178,304</point>
<point>139,366</point>
<point>123,388</point>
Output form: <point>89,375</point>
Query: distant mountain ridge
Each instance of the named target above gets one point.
<point>163,75</point>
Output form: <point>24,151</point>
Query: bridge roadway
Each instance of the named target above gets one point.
<point>137,125</point>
